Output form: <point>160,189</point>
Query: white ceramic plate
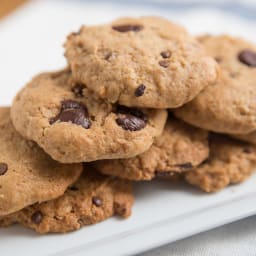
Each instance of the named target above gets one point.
<point>31,42</point>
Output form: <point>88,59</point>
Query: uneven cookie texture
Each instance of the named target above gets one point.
<point>27,174</point>
<point>71,126</point>
<point>179,148</point>
<point>230,162</point>
<point>144,62</point>
<point>249,137</point>
<point>93,198</point>
<point>228,106</point>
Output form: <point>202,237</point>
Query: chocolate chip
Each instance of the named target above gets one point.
<point>185,166</point>
<point>164,63</point>
<point>74,112</point>
<point>133,111</point>
<point>97,201</point>
<point>128,27</point>
<point>78,90</point>
<point>248,57</point>
<point>37,217</point>
<point>140,90</point>
<point>130,122</point>
<point>3,168</point>
<point>166,54</point>
<point>131,119</point>
<point>164,174</point>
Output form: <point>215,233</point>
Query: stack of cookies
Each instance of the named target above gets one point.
<point>139,99</point>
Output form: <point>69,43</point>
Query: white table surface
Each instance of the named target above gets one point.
<point>231,240</point>
<point>236,239</point>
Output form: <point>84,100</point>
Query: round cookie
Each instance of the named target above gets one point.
<point>93,198</point>
<point>230,162</point>
<point>72,127</point>
<point>228,106</point>
<point>27,174</point>
<point>144,62</point>
<point>179,148</point>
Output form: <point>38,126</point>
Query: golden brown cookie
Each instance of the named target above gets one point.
<point>228,106</point>
<point>179,148</point>
<point>71,126</point>
<point>93,198</point>
<point>249,137</point>
<point>144,62</point>
<point>230,162</point>
<point>27,174</point>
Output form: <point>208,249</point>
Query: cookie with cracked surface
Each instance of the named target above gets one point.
<point>71,126</point>
<point>144,62</point>
<point>230,162</point>
<point>93,198</point>
<point>228,106</point>
<point>179,148</point>
<point>27,174</point>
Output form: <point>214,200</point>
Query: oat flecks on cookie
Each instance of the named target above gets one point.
<point>178,149</point>
<point>71,126</point>
<point>144,62</point>
<point>27,174</point>
<point>92,199</point>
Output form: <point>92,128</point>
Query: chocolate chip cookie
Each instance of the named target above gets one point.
<point>27,174</point>
<point>93,198</point>
<point>63,118</point>
<point>144,62</point>
<point>180,148</point>
<point>228,106</point>
<point>230,162</point>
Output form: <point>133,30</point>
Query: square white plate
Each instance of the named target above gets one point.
<point>31,42</point>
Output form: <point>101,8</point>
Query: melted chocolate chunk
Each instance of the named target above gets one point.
<point>78,90</point>
<point>133,111</point>
<point>127,28</point>
<point>248,58</point>
<point>166,54</point>
<point>97,201</point>
<point>74,112</point>
<point>3,168</point>
<point>185,166</point>
<point>37,217</point>
<point>140,90</point>
<point>164,63</point>
<point>131,119</point>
